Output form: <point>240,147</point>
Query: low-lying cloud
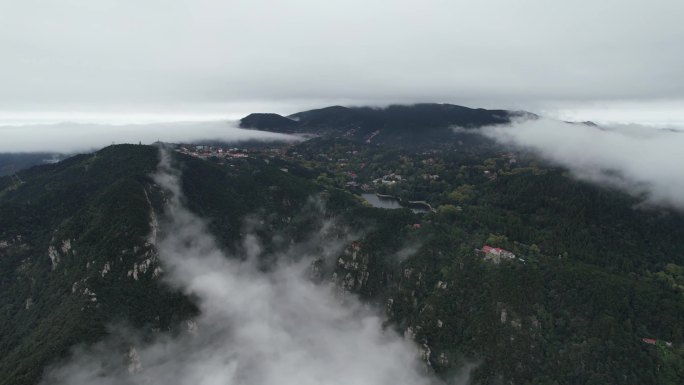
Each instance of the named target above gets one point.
<point>643,161</point>
<point>73,137</point>
<point>256,327</point>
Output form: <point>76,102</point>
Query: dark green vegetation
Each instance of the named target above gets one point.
<point>76,255</point>
<point>592,276</point>
<point>410,126</point>
<point>268,122</point>
<point>87,213</point>
<point>13,162</point>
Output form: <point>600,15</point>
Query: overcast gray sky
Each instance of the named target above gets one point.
<point>563,58</point>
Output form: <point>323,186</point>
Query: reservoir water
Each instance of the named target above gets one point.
<point>383,203</point>
<point>389,203</point>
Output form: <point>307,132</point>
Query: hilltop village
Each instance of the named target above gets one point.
<point>442,183</point>
<point>433,178</point>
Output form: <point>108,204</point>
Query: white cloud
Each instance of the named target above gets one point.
<point>655,113</point>
<point>73,137</point>
<point>641,160</point>
<point>256,327</point>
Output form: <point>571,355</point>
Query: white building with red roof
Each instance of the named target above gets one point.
<point>496,254</point>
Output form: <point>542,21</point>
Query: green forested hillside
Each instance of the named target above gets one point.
<point>76,254</point>
<point>411,126</point>
<point>596,272</point>
<point>11,162</point>
<point>592,276</point>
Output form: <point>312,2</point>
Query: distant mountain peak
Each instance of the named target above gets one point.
<point>397,124</point>
<point>267,121</point>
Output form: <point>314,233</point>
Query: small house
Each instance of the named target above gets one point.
<point>496,254</point>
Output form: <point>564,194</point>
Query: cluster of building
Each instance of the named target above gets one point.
<point>433,177</point>
<point>204,151</point>
<point>512,159</point>
<point>496,254</point>
<point>652,341</point>
<point>389,179</point>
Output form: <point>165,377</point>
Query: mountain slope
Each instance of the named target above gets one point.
<point>77,247</point>
<point>592,277</point>
<point>13,162</point>
<point>268,122</point>
<point>396,125</point>
<point>79,257</point>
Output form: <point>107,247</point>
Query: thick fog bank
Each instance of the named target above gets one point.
<point>643,161</point>
<point>73,137</point>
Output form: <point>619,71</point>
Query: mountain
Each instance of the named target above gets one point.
<point>397,125</point>
<point>77,254</point>
<point>13,162</point>
<point>268,122</point>
<point>594,286</point>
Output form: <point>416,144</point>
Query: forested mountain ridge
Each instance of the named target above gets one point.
<point>13,162</point>
<point>592,278</point>
<point>77,247</point>
<point>403,125</point>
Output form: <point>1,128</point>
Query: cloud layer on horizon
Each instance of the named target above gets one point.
<point>75,137</point>
<point>642,161</point>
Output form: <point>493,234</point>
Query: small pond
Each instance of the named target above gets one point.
<point>389,203</point>
<point>383,203</point>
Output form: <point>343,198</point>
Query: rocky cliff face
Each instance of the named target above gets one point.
<point>77,253</point>
<point>78,246</point>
